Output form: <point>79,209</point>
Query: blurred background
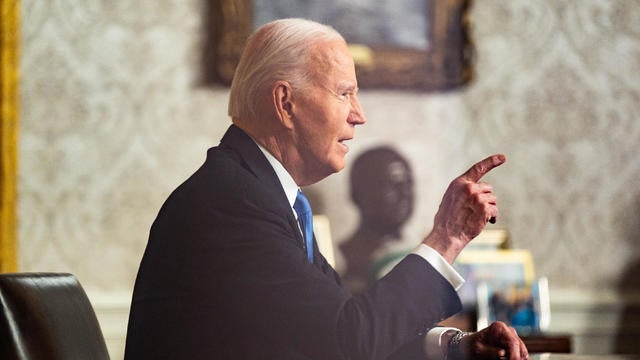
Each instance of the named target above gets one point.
<point>113,116</point>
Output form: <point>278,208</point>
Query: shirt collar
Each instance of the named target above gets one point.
<point>288,184</point>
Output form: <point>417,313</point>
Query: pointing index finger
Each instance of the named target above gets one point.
<point>479,169</point>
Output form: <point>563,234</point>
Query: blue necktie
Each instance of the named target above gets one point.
<point>305,217</point>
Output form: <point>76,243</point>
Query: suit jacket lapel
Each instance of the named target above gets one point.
<point>255,161</point>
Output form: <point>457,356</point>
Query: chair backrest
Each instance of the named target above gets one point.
<point>47,316</point>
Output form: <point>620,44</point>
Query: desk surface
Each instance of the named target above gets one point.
<point>583,357</point>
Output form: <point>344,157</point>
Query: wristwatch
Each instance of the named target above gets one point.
<point>453,348</point>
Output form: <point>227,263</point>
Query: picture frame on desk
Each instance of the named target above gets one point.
<point>500,266</point>
<point>444,62</point>
<point>524,306</point>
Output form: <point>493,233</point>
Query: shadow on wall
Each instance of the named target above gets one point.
<point>626,341</point>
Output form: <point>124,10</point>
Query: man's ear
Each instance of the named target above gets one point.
<point>283,104</point>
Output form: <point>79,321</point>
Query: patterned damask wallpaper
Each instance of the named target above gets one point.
<point>113,119</point>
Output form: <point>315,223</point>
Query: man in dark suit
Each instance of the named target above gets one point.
<point>228,272</point>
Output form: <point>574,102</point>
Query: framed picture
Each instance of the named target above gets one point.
<point>492,266</point>
<point>434,54</point>
<point>524,306</point>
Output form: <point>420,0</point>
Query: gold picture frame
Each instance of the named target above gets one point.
<point>446,64</point>
<point>492,263</point>
<point>513,266</point>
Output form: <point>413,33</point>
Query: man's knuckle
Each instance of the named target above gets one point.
<point>480,168</point>
<point>469,188</point>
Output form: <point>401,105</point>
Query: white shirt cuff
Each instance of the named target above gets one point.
<point>433,343</point>
<point>440,264</point>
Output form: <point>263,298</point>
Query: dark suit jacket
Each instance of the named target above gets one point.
<point>224,276</point>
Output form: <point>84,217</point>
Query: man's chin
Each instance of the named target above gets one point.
<point>338,166</point>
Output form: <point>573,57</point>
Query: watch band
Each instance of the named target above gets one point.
<point>453,349</point>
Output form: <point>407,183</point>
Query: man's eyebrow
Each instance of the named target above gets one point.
<point>342,87</point>
<point>348,86</point>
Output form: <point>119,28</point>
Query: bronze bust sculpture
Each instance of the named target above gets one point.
<point>381,184</point>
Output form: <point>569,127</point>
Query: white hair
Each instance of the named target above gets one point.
<point>278,50</point>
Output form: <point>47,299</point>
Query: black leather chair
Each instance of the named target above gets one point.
<point>47,316</point>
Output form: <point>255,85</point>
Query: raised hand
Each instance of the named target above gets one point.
<point>466,207</point>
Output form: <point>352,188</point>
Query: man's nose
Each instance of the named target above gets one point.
<point>356,116</point>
